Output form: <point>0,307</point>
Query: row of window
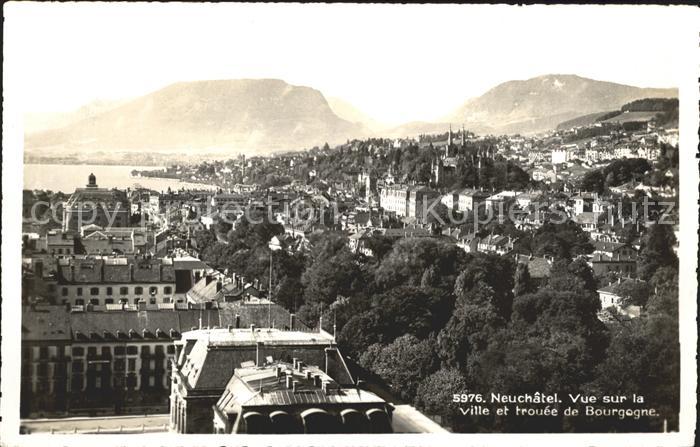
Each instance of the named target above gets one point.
<point>138,290</point>
<point>60,251</point>
<point>79,351</point>
<point>97,302</point>
<point>118,382</point>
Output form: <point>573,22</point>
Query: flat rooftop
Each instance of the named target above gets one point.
<point>247,336</point>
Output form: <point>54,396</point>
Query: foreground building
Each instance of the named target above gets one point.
<point>294,398</point>
<point>210,362</point>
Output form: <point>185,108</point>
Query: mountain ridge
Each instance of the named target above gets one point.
<point>246,115</point>
<point>264,116</point>
<point>540,103</point>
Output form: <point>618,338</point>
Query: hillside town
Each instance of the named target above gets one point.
<point>356,288</point>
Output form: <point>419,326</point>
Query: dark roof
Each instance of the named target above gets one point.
<point>58,323</point>
<point>46,323</point>
<point>120,270</point>
<point>258,314</point>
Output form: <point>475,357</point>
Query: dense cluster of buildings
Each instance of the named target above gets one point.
<point>120,315</point>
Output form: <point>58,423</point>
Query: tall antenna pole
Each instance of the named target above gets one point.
<point>269,295</point>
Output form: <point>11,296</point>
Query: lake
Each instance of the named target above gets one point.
<point>66,178</point>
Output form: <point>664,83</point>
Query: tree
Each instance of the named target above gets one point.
<point>634,293</point>
<point>360,332</point>
<point>435,393</point>
<point>402,364</point>
<point>657,250</point>
<point>523,282</point>
<point>494,272</point>
<point>410,257</point>
<point>469,329</point>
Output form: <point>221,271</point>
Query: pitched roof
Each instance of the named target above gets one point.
<point>45,323</point>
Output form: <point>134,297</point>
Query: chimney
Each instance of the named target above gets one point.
<point>308,375</point>
<point>278,371</point>
<point>131,272</point>
<point>325,388</point>
<point>230,327</point>
<point>329,351</point>
<point>294,363</point>
<point>238,321</point>
<point>252,328</point>
<point>288,381</point>
<point>300,365</point>
<point>317,380</point>
<point>292,319</point>
<point>295,385</point>
<point>259,353</point>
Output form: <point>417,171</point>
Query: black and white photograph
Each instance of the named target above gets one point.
<point>347,224</point>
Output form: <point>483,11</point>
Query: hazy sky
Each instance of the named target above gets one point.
<point>396,63</point>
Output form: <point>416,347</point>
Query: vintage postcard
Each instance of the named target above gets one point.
<point>345,224</point>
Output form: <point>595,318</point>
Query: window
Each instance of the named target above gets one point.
<point>79,302</point>
<point>92,351</point>
<point>138,290</point>
<point>159,349</point>
<point>42,369</point>
<point>132,364</point>
<point>132,350</point>
<point>123,290</point>
<point>106,350</point>
<point>171,349</point>
<point>64,291</point>
<point>119,365</point>
<point>119,350</point>
<point>95,301</point>
<point>151,381</point>
<point>79,291</point>
<point>77,366</point>
<point>109,291</point>
<point>76,383</point>
<point>152,300</point>
<point>94,291</point>
<point>78,352</point>
<point>109,301</point>
<point>167,290</point>
<point>153,290</point>
<point>167,299</point>
<point>136,300</point>
<point>43,352</point>
<point>131,381</point>
<point>146,350</point>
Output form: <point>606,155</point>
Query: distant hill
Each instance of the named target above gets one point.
<point>248,115</point>
<point>37,122</point>
<point>349,112</point>
<point>663,110</point>
<point>585,120</point>
<point>541,103</point>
